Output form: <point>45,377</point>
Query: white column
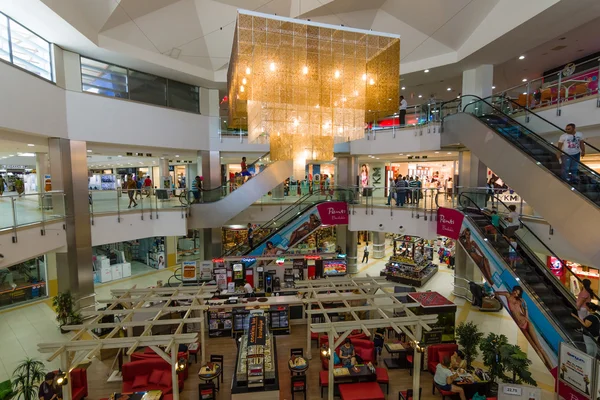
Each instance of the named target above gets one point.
<point>478,81</point>
<point>417,364</point>
<point>330,383</point>
<point>174,353</point>
<point>202,338</point>
<point>67,69</point>
<point>64,366</point>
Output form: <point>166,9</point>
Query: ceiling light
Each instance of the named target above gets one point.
<point>89,151</point>
<point>244,81</point>
<point>426,71</point>
<point>449,89</point>
<point>458,97</point>
<point>449,152</point>
<point>176,155</point>
<point>31,145</point>
<point>248,70</point>
<point>119,155</point>
<point>11,155</point>
<point>317,106</point>
<point>371,81</point>
<point>403,88</point>
<point>521,57</point>
<point>272,66</point>
<point>242,89</point>
<point>493,87</point>
<point>26,154</point>
<point>420,95</point>
<point>437,152</point>
<point>336,74</point>
<point>305,70</point>
<point>400,154</point>
<point>364,77</point>
<point>525,93</point>
<point>524,79</point>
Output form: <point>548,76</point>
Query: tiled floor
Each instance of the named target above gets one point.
<point>22,329</point>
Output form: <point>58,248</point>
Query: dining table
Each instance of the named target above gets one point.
<point>471,384</point>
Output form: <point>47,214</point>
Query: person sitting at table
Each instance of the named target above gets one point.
<point>444,378</point>
<point>347,354</point>
<point>457,361</point>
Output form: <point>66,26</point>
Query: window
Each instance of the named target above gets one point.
<point>147,88</point>
<point>183,96</point>
<point>105,79</point>
<point>29,51</point>
<point>25,49</point>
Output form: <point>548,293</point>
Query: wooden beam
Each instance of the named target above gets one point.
<point>161,353</point>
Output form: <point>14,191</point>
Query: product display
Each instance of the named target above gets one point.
<point>404,270</point>
<point>220,323</point>
<point>102,182</point>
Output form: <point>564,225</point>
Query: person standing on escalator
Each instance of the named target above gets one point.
<point>572,146</point>
<point>250,236</point>
<point>591,331</point>
<point>585,295</point>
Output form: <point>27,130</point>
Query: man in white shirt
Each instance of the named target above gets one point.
<point>573,148</point>
<point>403,107</point>
<point>512,221</point>
<point>248,288</point>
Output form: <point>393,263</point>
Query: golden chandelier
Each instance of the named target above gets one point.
<point>306,85</point>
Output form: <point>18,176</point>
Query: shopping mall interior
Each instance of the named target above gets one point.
<point>223,199</point>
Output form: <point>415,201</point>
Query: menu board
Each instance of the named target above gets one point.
<point>257,330</point>
<point>576,369</point>
<point>334,267</point>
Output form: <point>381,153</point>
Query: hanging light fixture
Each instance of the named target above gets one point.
<point>304,115</point>
<point>61,378</point>
<point>181,365</point>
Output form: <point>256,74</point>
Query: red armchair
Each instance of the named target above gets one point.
<point>324,339</point>
<point>79,385</point>
<point>150,354</point>
<point>436,352</point>
<point>151,374</point>
<point>363,348</point>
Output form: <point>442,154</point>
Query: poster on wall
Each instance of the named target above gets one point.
<point>543,337</point>
<point>188,271</point>
<point>329,213</point>
<point>576,369</point>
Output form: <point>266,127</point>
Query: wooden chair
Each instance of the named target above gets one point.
<point>219,359</point>
<point>297,352</point>
<point>299,385</point>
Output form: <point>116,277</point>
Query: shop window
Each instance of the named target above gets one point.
<point>147,88</point>
<point>29,51</point>
<point>183,97</point>
<point>23,282</point>
<point>102,78</point>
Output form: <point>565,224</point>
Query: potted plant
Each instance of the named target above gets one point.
<point>27,378</point>
<point>468,337</point>
<point>490,349</point>
<point>516,364</point>
<point>64,305</point>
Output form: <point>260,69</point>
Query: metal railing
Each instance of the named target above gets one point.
<point>421,201</point>
<point>558,88</point>
<point>30,208</point>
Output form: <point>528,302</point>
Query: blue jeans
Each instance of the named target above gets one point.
<point>400,197</point>
<point>390,197</point>
<point>570,167</point>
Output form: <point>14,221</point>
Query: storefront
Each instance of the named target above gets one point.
<point>429,173</point>
<point>121,260</point>
<point>16,176</point>
<point>23,282</point>
<point>580,271</point>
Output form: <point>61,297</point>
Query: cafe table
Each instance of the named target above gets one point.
<point>400,350</point>
<point>298,365</point>
<point>471,384</point>
<point>209,372</point>
<point>149,395</point>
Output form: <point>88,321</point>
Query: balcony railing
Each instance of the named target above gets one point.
<point>31,208</point>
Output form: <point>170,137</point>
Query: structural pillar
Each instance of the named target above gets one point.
<point>347,178</point>
<point>478,81</point>
<point>68,167</point>
<point>472,174</point>
<point>378,244</point>
<point>163,172</point>
<point>465,271</point>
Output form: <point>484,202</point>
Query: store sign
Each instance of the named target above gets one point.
<point>432,337</point>
<point>449,222</point>
<point>333,213</point>
<point>188,269</point>
<point>575,369</point>
<point>256,331</point>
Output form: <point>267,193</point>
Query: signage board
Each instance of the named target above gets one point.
<point>189,271</point>
<point>576,369</point>
<point>257,330</point>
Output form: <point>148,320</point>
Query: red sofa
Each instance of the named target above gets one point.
<point>79,385</point>
<point>144,369</point>
<point>363,348</point>
<point>150,354</point>
<point>324,339</point>
<point>435,353</point>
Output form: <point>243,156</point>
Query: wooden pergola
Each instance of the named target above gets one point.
<point>370,291</point>
<point>150,304</point>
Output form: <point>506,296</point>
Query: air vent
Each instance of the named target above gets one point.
<point>148,154</point>
<point>557,48</point>
<point>129,154</point>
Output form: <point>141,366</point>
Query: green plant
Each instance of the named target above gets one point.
<point>26,378</point>
<point>468,337</point>
<point>515,362</point>
<point>64,304</point>
<point>490,350</point>
<point>6,392</point>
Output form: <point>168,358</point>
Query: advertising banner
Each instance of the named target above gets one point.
<point>543,336</point>
<point>576,370</point>
<point>256,330</point>
<point>188,271</point>
<point>449,222</point>
<point>329,213</point>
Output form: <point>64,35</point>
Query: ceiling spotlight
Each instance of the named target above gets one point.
<point>181,365</point>
<point>244,81</point>
<point>242,89</point>
<point>119,155</point>
<point>336,74</point>
<point>89,151</point>
<point>317,106</point>
<point>31,145</point>
<point>524,79</point>
<point>403,88</point>
<point>248,70</point>
<point>272,66</point>
<point>420,95</point>
<point>521,57</point>
<point>176,155</point>
<point>449,89</point>
<point>371,81</point>
<point>449,152</point>
<point>525,93</point>
<point>61,378</point>
<point>364,77</point>
<point>493,87</point>
<point>305,70</point>
<point>426,71</point>
<point>400,154</point>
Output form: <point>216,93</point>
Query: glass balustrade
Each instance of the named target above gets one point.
<point>31,208</point>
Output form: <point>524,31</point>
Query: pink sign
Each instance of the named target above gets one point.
<point>333,213</point>
<point>449,222</point>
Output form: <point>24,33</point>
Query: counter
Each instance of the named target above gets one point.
<point>239,386</point>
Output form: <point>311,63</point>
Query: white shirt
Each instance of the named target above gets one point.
<point>366,249</point>
<point>571,143</point>
<point>248,288</point>
<point>514,216</point>
<point>403,104</point>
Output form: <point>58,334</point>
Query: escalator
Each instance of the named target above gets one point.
<point>529,165</point>
<point>549,302</point>
<point>219,205</point>
<point>292,225</point>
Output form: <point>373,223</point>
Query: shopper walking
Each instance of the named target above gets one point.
<point>245,173</point>
<point>131,189</point>
<point>403,107</point>
<point>489,191</point>
<point>2,186</point>
<point>148,186</point>
<point>365,258</point>
<point>591,331</point>
<point>197,188</point>
<point>391,190</point>
<point>573,148</point>
<point>449,189</point>
<point>414,186</point>
<point>250,235</point>
<point>138,187</point>
<point>585,296</point>
<point>401,186</point>
<point>409,194</point>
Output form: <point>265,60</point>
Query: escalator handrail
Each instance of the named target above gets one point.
<point>532,295</point>
<point>532,133</point>
<point>514,103</point>
<point>527,248</point>
<point>228,182</point>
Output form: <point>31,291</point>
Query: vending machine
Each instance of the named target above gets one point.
<point>260,277</point>
<point>238,274</point>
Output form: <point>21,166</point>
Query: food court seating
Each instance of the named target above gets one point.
<point>444,393</point>
<point>363,348</point>
<point>299,385</point>
<point>436,352</point>
<point>150,374</point>
<point>408,394</point>
<point>323,380</point>
<point>383,378</point>
<point>324,339</point>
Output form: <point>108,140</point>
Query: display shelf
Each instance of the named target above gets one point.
<point>220,323</point>
<point>405,271</point>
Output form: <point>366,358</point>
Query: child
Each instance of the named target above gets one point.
<point>495,226</point>
<point>513,257</point>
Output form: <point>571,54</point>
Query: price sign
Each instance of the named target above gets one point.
<point>512,390</point>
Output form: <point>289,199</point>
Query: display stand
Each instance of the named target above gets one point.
<point>408,272</point>
<point>220,323</point>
